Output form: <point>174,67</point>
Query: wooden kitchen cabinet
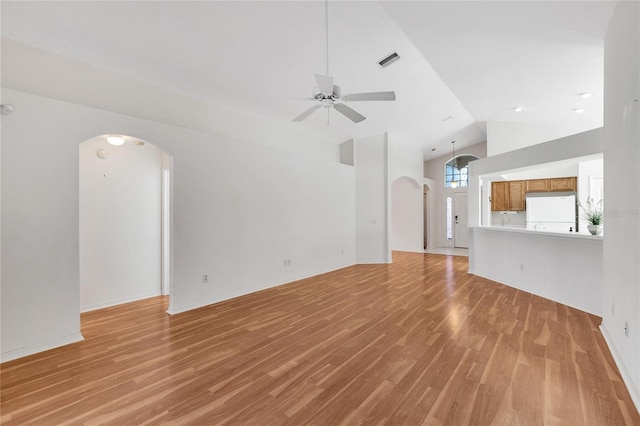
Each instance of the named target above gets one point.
<point>499,196</point>
<point>516,195</point>
<point>507,196</point>
<point>511,195</point>
<point>537,185</point>
<point>563,184</point>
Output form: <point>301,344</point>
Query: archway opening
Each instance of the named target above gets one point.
<point>124,221</point>
<point>406,215</point>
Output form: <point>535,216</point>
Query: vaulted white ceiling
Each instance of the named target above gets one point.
<point>473,61</point>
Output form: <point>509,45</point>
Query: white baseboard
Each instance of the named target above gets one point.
<point>173,309</point>
<point>30,350</point>
<point>626,377</point>
<point>120,301</point>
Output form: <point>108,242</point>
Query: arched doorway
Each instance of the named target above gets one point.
<point>124,221</point>
<point>406,215</point>
<point>426,206</point>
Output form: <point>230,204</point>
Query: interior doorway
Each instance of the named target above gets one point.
<point>460,220</point>
<point>425,209</point>
<point>406,215</point>
<point>125,221</point>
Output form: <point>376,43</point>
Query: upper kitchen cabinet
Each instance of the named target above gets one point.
<point>499,196</point>
<point>516,195</point>
<point>563,184</point>
<point>553,184</point>
<point>537,185</point>
<point>508,196</point>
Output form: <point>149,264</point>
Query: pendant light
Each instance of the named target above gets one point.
<point>454,163</point>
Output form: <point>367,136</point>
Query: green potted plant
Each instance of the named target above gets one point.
<point>593,214</point>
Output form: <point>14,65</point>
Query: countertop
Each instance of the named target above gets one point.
<point>520,230</point>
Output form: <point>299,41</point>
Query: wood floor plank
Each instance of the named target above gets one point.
<point>418,341</point>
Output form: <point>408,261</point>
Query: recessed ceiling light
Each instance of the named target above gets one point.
<point>115,140</point>
<point>433,149</point>
<point>578,110</point>
<point>586,95</point>
<point>447,118</point>
<point>518,109</point>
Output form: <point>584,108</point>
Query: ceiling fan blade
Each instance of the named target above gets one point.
<point>286,98</point>
<point>325,84</point>
<point>371,96</point>
<point>307,113</point>
<point>350,113</point>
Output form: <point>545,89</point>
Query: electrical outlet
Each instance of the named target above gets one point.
<point>626,328</point>
<point>205,278</point>
<point>287,262</point>
<point>341,251</point>
<point>522,267</point>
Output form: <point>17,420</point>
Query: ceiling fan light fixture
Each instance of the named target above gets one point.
<point>385,62</point>
<point>330,95</point>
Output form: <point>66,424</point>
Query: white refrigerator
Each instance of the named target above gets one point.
<point>553,213</point>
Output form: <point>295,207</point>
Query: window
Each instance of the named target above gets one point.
<point>457,171</point>
<point>449,218</point>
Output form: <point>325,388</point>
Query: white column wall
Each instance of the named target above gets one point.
<point>622,192</point>
<point>372,199</point>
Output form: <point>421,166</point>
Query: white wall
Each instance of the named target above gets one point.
<point>240,209</point>
<point>590,173</point>
<point>40,295</point>
<point>566,269</point>
<point>434,169</point>
<point>622,192</point>
<point>372,199</point>
<point>120,223</point>
<point>506,136</point>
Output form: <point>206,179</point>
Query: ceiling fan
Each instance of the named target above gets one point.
<point>328,95</point>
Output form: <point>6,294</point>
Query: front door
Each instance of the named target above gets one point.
<point>460,212</point>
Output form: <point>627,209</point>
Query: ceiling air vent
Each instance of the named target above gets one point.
<point>389,60</point>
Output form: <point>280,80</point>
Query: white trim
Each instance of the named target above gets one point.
<point>626,377</point>
<point>173,310</point>
<point>30,350</point>
<point>115,302</point>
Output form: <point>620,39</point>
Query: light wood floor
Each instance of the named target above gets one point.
<point>416,342</point>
